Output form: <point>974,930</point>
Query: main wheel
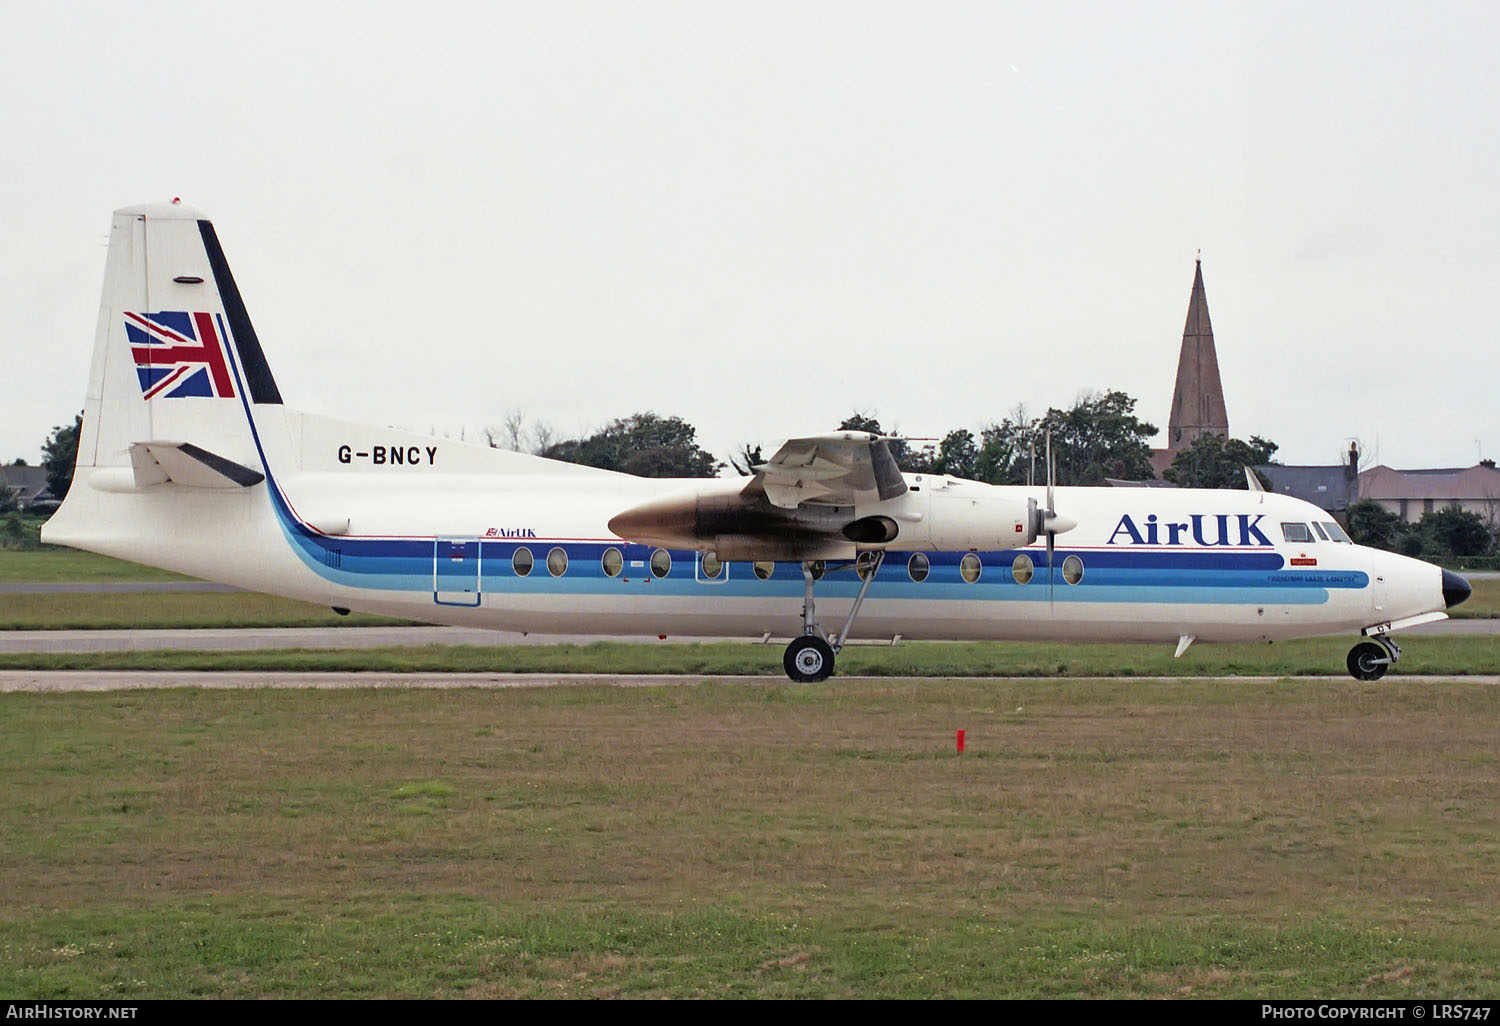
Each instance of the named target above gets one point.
<point>808,659</point>
<point>1368,661</point>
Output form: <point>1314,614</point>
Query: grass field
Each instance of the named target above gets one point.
<point>140,610</point>
<point>1312,657</point>
<point>58,564</point>
<point>1483,603</point>
<point>1101,839</point>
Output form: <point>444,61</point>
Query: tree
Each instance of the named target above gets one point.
<point>643,444</point>
<point>1213,461</point>
<point>957,455</point>
<point>1454,532</point>
<point>746,459</point>
<point>1099,436</point>
<point>1372,524</point>
<point>1005,450</point>
<point>13,530</point>
<point>60,455</point>
<point>7,499</point>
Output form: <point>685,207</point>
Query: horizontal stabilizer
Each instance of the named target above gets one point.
<point>184,463</point>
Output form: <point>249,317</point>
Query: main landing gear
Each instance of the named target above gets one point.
<point>810,658</point>
<point>1370,659</point>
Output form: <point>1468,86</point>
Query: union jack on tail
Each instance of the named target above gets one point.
<point>179,354</point>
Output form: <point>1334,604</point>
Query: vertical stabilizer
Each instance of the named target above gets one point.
<point>175,355</point>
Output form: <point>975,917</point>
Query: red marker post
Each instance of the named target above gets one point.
<point>959,741</point>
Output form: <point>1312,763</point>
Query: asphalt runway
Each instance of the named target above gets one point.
<point>58,681</point>
<point>241,639</point>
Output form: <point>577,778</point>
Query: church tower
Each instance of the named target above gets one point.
<point>1198,399</point>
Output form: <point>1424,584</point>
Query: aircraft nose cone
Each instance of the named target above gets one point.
<point>1455,588</point>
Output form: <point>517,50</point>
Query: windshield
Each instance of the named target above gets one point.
<point>1296,533</point>
<point>1336,532</point>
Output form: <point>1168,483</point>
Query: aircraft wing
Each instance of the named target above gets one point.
<point>837,469</point>
<point>799,505</point>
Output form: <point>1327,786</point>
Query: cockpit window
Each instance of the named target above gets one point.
<point>1297,533</point>
<point>1336,532</point>
<point>1319,529</point>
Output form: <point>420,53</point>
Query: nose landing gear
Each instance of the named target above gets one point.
<point>810,658</point>
<point>1370,659</point>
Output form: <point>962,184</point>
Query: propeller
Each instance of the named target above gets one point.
<point>1048,519</point>
<point>1052,522</point>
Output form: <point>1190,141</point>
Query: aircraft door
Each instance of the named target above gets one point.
<point>455,571</point>
<point>1379,592</point>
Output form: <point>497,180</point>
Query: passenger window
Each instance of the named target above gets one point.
<point>918,567</point>
<point>661,563</point>
<point>521,561</point>
<point>711,567</point>
<point>1023,569</point>
<point>969,567</point>
<point>557,562</point>
<point>1297,533</point>
<point>1072,569</point>
<point>612,562</point>
<point>764,569</point>
<point>864,564</point>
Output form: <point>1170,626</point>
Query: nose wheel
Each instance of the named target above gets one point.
<point>1369,660</point>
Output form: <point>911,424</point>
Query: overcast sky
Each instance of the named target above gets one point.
<point>762,216</point>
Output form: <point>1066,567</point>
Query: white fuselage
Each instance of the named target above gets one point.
<point>443,534</point>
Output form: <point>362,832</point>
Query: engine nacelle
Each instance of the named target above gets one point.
<point>972,516</point>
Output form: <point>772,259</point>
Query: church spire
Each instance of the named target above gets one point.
<point>1198,399</point>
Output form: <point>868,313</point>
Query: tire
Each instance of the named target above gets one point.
<point>1367,661</point>
<point>808,660</point>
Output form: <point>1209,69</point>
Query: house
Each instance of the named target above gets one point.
<point>29,486</point>
<point>1410,493</point>
<point>1332,488</point>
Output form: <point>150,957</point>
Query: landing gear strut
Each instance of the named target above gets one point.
<point>810,658</point>
<point>1370,659</point>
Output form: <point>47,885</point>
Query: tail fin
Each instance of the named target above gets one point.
<point>175,355</point>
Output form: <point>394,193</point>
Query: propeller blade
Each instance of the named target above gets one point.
<point>1053,522</point>
<point>1051,584</point>
<point>1051,473</point>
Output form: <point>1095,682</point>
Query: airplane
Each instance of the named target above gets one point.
<point>189,460</point>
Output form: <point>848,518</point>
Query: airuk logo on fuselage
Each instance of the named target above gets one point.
<point>1207,529</point>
